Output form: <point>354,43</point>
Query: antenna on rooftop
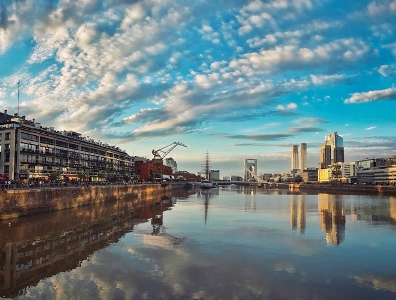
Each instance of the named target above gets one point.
<point>18,95</point>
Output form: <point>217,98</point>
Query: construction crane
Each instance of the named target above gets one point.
<point>159,155</point>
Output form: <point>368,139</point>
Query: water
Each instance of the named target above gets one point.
<point>225,243</point>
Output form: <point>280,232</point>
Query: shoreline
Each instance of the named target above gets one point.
<point>350,189</point>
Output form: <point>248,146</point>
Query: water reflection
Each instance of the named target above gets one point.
<point>38,247</point>
<point>206,194</point>
<point>298,213</point>
<point>249,250</point>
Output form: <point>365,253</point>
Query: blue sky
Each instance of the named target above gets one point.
<point>237,79</point>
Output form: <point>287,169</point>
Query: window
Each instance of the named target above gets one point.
<point>7,135</point>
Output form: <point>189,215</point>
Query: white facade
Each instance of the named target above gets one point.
<point>294,158</point>
<point>170,162</point>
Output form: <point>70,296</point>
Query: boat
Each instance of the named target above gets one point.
<point>206,184</point>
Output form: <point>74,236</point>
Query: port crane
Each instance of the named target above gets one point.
<point>159,155</point>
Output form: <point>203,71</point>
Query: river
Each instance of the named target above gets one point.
<point>224,243</point>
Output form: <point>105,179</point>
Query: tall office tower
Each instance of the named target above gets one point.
<point>303,156</point>
<point>294,158</point>
<point>332,151</point>
<point>325,156</point>
<point>250,168</point>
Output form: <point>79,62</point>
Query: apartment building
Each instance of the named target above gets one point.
<point>30,151</point>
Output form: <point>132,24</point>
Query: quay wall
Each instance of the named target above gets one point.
<point>22,202</point>
<point>346,189</point>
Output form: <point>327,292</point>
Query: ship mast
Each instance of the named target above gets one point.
<point>207,166</point>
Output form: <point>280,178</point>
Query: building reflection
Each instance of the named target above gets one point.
<point>383,211</point>
<point>332,217</point>
<point>298,213</point>
<point>37,247</point>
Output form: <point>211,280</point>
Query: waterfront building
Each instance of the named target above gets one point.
<point>303,156</point>
<point>332,151</point>
<point>325,156</point>
<point>336,143</point>
<point>236,178</point>
<point>375,171</point>
<point>310,175</point>
<point>294,158</point>
<point>30,151</point>
<point>214,174</point>
<point>250,169</point>
<point>170,162</point>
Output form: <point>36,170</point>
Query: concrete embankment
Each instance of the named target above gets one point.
<point>22,202</point>
<point>347,189</point>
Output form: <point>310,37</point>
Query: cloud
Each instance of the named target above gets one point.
<point>387,94</point>
<point>288,107</point>
<point>260,137</point>
<point>305,129</point>
<point>387,70</point>
<point>310,121</point>
<point>370,128</point>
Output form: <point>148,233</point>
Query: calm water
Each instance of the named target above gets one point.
<point>226,243</point>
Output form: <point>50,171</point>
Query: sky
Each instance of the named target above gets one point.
<point>234,79</point>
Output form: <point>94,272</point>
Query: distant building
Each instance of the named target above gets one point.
<point>214,174</point>
<point>250,169</point>
<point>236,178</point>
<point>325,156</point>
<point>294,158</point>
<point>376,171</point>
<point>303,156</point>
<point>170,162</point>
<point>310,175</point>
<point>336,143</point>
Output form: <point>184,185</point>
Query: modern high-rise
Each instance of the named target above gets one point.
<point>303,156</point>
<point>332,151</point>
<point>294,158</point>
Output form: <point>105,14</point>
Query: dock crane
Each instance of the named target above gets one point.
<point>159,155</point>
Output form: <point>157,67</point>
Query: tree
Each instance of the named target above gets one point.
<point>336,173</point>
<point>54,176</point>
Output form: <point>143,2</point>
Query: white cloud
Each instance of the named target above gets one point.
<point>387,94</point>
<point>387,70</point>
<point>370,128</point>
<point>289,107</point>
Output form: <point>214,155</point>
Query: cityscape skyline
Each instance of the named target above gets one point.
<point>235,79</point>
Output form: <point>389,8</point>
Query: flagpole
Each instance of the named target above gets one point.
<point>18,96</point>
